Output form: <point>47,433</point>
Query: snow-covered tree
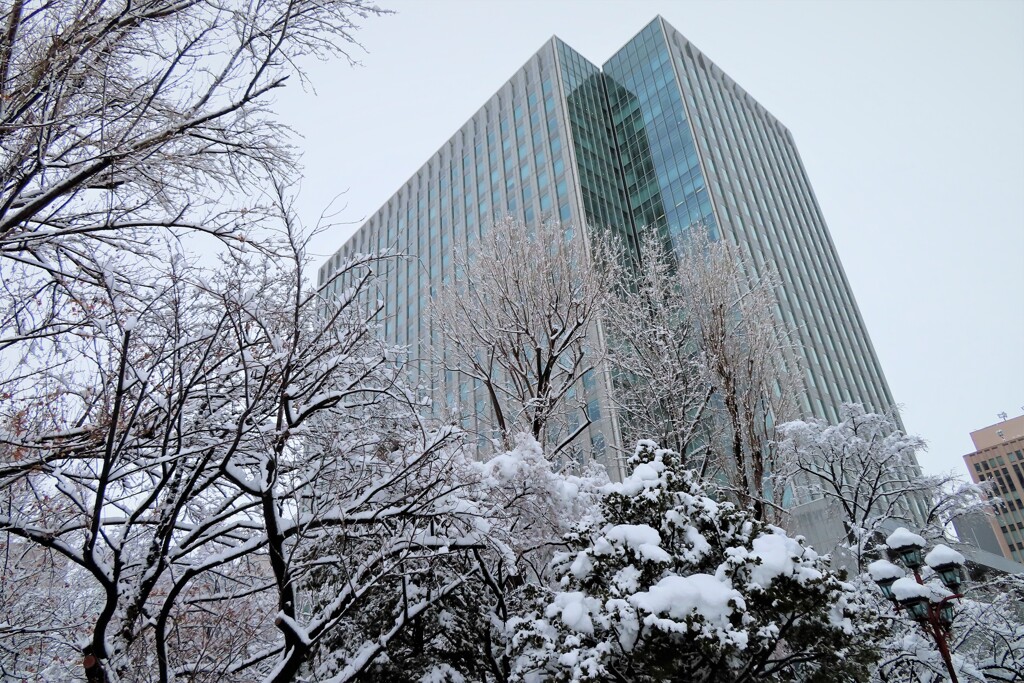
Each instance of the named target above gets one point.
<point>42,601</point>
<point>665,583</point>
<point>524,506</point>
<point>988,633</point>
<point>124,122</point>
<point>517,325</point>
<point>198,455</point>
<point>867,466</point>
<point>700,358</point>
<point>660,382</point>
<point>157,419</point>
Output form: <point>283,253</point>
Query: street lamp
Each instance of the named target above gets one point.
<point>946,562</point>
<point>927,605</point>
<point>908,547</point>
<point>913,597</point>
<point>885,574</point>
<point>946,615</point>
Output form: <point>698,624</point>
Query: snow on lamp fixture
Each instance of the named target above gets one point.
<point>912,597</point>
<point>946,562</point>
<point>885,574</point>
<point>908,546</point>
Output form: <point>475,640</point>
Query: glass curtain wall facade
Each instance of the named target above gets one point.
<point>513,158</point>
<point>658,138</point>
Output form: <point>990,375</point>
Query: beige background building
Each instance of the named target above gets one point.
<point>999,459</point>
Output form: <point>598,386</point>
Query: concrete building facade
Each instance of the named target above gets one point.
<point>998,459</point>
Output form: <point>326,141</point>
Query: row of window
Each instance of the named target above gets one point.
<point>996,470</point>
<point>509,159</point>
<point>604,201</point>
<point>997,461</point>
<point>741,143</point>
<point>1009,503</point>
<point>663,179</point>
<point>455,194</point>
<point>1003,480</point>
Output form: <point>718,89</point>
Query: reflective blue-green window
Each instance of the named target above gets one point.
<point>665,186</point>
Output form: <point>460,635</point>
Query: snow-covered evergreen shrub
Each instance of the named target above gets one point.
<point>663,582</point>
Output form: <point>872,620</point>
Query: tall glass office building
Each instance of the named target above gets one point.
<point>659,138</point>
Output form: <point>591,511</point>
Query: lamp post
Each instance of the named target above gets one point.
<point>934,615</point>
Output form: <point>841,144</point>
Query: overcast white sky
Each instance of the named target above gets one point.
<point>909,116</point>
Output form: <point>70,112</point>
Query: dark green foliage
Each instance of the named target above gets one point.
<point>667,584</point>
